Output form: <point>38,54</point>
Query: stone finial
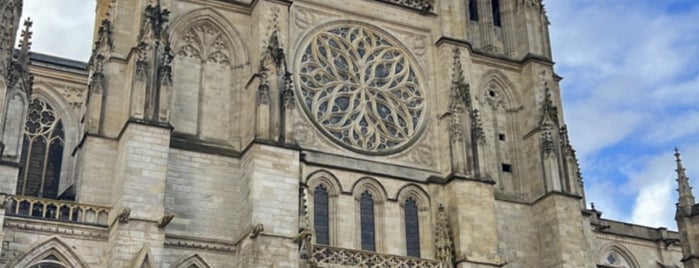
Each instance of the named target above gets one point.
<point>686,198</point>
<point>25,44</point>
<point>444,246</point>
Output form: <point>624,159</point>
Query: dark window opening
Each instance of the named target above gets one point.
<point>320,215</point>
<point>501,136</point>
<point>496,12</point>
<point>412,228</point>
<point>507,168</point>
<point>473,10</point>
<point>366,218</point>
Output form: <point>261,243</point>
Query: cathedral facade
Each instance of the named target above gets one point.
<point>304,133</point>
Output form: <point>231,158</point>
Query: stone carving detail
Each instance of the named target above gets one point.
<point>193,244</point>
<point>18,75</point>
<point>11,11</point>
<point>361,89</point>
<point>424,6</point>
<point>444,247</point>
<point>54,230</point>
<point>333,256</point>
<point>204,42</point>
<point>304,17</point>
<point>123,217</point>
<point>74,96</point>
<point>547,143</point>
<point>477,126</point>
<point>152,88</point>
<point>100,54</point>
<point>550,111</point>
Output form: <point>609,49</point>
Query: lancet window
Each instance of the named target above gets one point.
<point>496,12</point>
<point>473,10</point>
<point>368,232</point>
<point>321,215</point>
<point>42,152</point>
<point>412,228</point>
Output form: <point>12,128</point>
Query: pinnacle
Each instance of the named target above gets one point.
<point>686,198</point>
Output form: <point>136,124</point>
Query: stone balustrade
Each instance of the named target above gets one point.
<point>59,210</point>
<point>331,256</point>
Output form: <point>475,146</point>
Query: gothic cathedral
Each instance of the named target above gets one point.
<point>304,133</point>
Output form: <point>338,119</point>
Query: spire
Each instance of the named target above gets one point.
<point>25,44</point>
<point>685,191</point>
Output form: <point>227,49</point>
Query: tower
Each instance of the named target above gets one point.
<point>307,133</point>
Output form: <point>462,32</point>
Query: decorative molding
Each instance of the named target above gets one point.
<point>359,258</point>
<point>57,229</point>
<point>338,100</point>
<point>194,243</point>
<point>444,246</point>
<point>424,6</point>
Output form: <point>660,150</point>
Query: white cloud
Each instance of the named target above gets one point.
<point>62,28</point>
<point>630,93</point>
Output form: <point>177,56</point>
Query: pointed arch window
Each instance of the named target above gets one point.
<point>496,12</point>
<point>321,215</point>
<point>50,261</point>
<point>473,10</point>
<point>42,152</point>
<point>366,210</point>
<point>412,227</point>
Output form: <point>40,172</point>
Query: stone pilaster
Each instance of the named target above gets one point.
<point>472,209</point>
<point>138,194</point>
<point>560,230</point>
<point>272,175</point>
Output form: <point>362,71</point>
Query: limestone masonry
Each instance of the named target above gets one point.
<point>305,133</point>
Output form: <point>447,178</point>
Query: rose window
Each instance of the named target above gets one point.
<point>360,89</point>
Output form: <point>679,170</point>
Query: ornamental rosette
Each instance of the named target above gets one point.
<point>360,88</point>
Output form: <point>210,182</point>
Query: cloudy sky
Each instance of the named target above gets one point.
<point>630,91</point>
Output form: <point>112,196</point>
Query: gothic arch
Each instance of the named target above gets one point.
<point>194,261</point>
<point>55,247</point>
<point>421,198</point>
<point>71,128</point>
<point>182,23</point>
<point>610,252</point>
<point>210,62</point>
<point>325,178</point>
<point>334,189</point>
<point>379,197</point>
<point>495,79</point>
<point>416,192</point>
<point>373,186</point>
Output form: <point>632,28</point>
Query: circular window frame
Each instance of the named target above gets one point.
<point>422,121</point>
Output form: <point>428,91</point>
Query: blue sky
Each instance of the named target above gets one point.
<point>630,91</point>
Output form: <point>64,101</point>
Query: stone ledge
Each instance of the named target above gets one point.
<point>199,243</point>
<point>56,228</point>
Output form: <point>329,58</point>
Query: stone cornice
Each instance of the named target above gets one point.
<point>199,243</point>
<point>56,228</point>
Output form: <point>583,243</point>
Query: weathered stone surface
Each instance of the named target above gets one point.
<point>408,102</point>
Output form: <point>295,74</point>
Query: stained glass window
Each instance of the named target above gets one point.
<point>320,215</point>
<point>42,152</point>
<point>412,228</point>
<point>366,210</point>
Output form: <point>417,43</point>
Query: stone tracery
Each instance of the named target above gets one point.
<point>204,42</point>
<point>361,89</point>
